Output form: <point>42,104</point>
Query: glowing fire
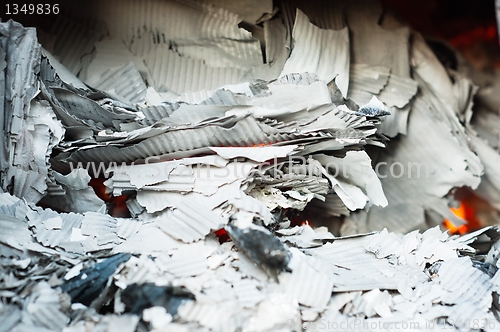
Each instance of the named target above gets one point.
<point>467,212</point>
<point>117,205</point>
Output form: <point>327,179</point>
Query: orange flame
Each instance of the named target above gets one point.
<point>467,212</point>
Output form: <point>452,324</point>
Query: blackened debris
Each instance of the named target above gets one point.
<point>261,246</point>
<point>485,267</point>
<point>372,111</point>
<point>87,286</point>
<point>139,297</point>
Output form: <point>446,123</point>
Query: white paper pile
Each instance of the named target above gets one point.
<point>373,280</point>
<point>211,120</point>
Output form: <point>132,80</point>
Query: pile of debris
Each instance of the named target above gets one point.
<point>170,160</point>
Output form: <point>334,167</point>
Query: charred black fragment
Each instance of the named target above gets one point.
<point>485,267</point>
<point>139,297</point>
<point>88,285</point>
<point>261,246</point>
<point>372,111</point>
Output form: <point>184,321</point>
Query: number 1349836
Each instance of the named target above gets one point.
<point>31,9</point>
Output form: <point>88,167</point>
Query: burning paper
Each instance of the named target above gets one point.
<point>212,165</point>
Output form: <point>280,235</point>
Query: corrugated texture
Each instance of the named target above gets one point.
<point>30,129</point>
<point>385,244</point>
<point>48,316</point>
<point>369,44</point>
<point>163,21</point>
<point>221,97</point>
<point>158,112</point>
<point>15,232</point>
<point>165,184</point>
<point>183,265</point>
<point>52,72</point>
<point>45,307</point>
<point>191,222</point>
<point>250,12</point>
<point>154,201</point>
<point>128,227</point>
<point>148,239</point>
<point>324,14</point>
<point>143,25</point>
<point>314,49</point>
<point>247,293</point>
<point>16,209</point>
<point>119,183</point>
<point>195,114</point>
<point>54,237</point>
<point>296,120</point>
<point>282,99</point>
<point>85,109</point>
<point>139,270</point>
<point>468,312</point>
<point>148,25</point>
<point>73,41</point>
<point>319,285</point>
<point>195,97</point>
<point>275,36</point>
<point>398,91</point>
<point>430,170</point>
<point>7,200</point>
<point>246,132</point>
<point>464,283</point>
<point>358,269</point>
<point>125,82</point>
<point>181,74</point>
<point>110,54</point>
<point>54,189</point>
<point>101,227</point>
<point>207,314</point>
<point>365,81</point>
<point>370,41</point>
<point>304,183</point>
<point>135,209</point>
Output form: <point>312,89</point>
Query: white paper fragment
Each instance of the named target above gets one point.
<point>313,50</point>
<point>366,81</point>
<point>319,292</point>
<point>374,107</point>
<point>190,222</point>
<point>157,316</point>
<point>73,272</point>
<point>258,154</point>
<point>248,294</point>
<point>163,62</point>
<point>126,82</point>
<point>355,168</point>
<point>53,223</point>
<point>248,12</point>
<point>77,236</point>
<point>284,99</point>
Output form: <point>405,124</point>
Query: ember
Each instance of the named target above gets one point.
<point>466,213</point>
<point>117,205</point>
<point>213,165</point>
